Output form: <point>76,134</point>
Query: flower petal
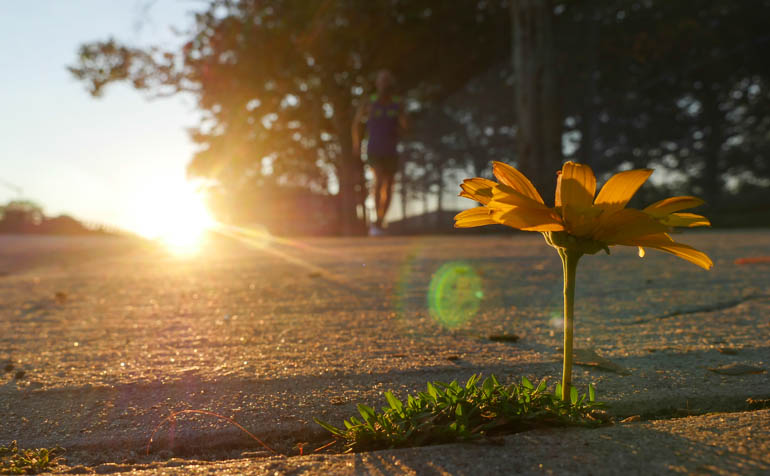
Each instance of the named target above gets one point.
<point>479,189</point>
<point>625,224</point>
<point>529,219</point>
<point>664,242</point>
<point>685,219</point>
<point>478,216</point>
<point>516,180</point>
<point>673,204</point>
<point>504,196</point>
<point>576,185</point>
<point>619,189</point>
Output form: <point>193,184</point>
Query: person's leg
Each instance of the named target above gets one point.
<point>376,192</point>
<point>386,194</point>
<point>380,181</point>
<point>384,170</point>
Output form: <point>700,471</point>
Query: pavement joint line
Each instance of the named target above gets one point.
<point>183,449</point>
<point>229,439</point>
<point>631,448</point>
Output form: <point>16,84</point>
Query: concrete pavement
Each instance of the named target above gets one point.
<point>111,336</point>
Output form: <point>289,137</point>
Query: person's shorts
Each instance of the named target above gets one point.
<point>386,163</point>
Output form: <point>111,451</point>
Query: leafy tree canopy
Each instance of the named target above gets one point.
<point>278,80</point>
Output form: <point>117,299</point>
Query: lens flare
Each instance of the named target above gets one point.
<point>254,236</point>
<point>455,294</point>
<point>556,321</point>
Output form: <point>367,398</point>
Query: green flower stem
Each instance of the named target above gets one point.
<point>569,259</point>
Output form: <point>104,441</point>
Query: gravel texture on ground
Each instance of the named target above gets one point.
<point>101,339</point>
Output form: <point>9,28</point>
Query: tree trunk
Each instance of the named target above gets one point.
<point>350,174</point>
<point>590,120</point>
<point>404,191</point>
<point>439,198</point>
<point>539,120</point>
<point>711,176</point>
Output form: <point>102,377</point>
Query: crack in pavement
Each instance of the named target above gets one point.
<point>230,445</point>
<point>720,306</point>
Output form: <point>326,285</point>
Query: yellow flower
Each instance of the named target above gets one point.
<point>580,224</point>
<point>578,221</point>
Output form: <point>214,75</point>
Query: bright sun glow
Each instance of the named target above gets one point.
<point>175,215</point>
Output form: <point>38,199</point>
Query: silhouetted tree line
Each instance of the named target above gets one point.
<point>24,216</point>
<point>678,86</point>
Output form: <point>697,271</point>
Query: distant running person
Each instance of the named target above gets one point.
<point>385,119</point>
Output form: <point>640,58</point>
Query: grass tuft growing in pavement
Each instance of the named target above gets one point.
<point>449,412</point>
<point>14,460</point>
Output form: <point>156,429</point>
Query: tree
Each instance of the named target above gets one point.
<point>278,80</point>
<point>20,216</point>
<point>673,85</point>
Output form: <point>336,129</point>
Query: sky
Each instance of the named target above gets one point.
<point>104,160</point>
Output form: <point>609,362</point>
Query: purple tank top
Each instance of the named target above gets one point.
<point>382,127</point>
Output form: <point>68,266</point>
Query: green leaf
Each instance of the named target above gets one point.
<point>366,412</point>
<point>591,393</point>
<point>526,383</point>
<point>557,390</point>
<point>394,402</point>
<point>432,391</point>
<point>488,386</point>
<point>330,428</point>
<point>541,386</point>
<point>573,395</point>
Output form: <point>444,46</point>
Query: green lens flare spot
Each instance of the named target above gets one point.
<point>455,294</point>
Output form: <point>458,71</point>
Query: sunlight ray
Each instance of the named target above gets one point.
<point>261,240</point>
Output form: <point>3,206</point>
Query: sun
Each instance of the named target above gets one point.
<point>175,215</point>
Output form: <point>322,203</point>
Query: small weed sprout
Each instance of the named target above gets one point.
<point>14,460</point>
<point>449,412</point>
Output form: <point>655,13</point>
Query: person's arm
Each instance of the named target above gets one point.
<point>403,123</point>
<point>356,129</point>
